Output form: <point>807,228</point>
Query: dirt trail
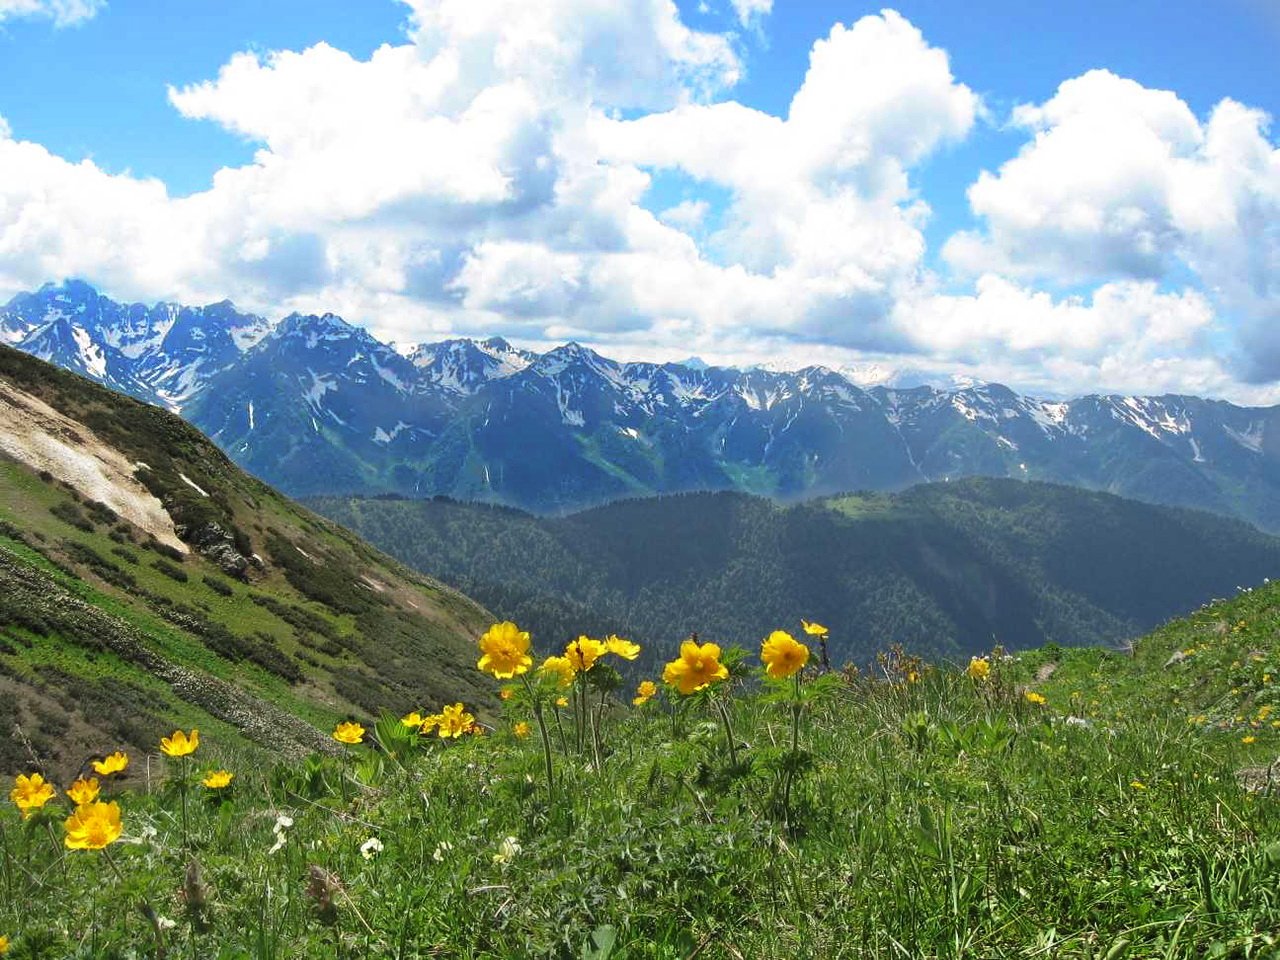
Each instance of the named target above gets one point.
<point>35,434</point>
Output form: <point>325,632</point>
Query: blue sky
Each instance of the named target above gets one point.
<point>97,89</point>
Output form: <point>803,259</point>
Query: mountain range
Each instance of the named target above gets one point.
<point>316,406</point>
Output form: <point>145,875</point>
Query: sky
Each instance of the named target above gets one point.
<point>1066,198</point>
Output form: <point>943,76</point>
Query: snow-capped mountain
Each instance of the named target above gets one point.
<point>316,405</point>
<point>162,353</point>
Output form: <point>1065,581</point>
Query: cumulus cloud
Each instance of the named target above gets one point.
<point>63,13</point>
<point>1121,181</point>
<point>493,174</point>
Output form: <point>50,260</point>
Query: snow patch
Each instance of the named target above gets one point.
<point>192,484</point>
<point>1250,439</point>
<point>35,434</point>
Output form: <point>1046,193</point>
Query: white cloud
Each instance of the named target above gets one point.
<point>687,215</point>
<point>63,13</point>
<point>1120,181</point>
<point>491,175</point>
<point>751,11</point>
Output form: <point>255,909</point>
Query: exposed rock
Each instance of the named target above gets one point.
<point>212,541</point>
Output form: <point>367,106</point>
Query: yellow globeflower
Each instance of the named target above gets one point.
<point>622,648</point>
<point>504,649</point>
<point>413,719</point>
<point>429,723</point>
<point>1037,698</point>
<point>979,668</point>
<point>179,744</point>
<point>83,791</point>
<point>697,666</point>
<point>563,702</point>
<point>348,732</point>
<point>521,729</point>
<point>218,779</point>
<point>93,826</point>
<point>583,653</point>
<point>814,629</point>
<point>111,764</point>
<point>30,793</point>
<point>1249,739</point>
<point>560,668</point>
<point>783,655</point>
<point>4,945</point>
<point>644,693</point>
<point>454,721</point>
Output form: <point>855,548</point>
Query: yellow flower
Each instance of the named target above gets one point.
<point>110,764</point>
<point>93,826</point>
<point>1249,739</point>
<point>218,779</point>
<point>30,793</point>
<point>783,655</point>
<point>521,729</point>
<point>979,668</point>
<point>506,693</point>
<point>413,719</point>
<point>913,676</point>
<point>4,945</point>
<point>504,649</point>
<point>644,693</point>
<point>562,702</point>
<point>348,732</point>
<point>622,648</point>
<point>83,791</point>
<point>814,629</point>
<point>697,666</point>
<point>454,722</point>
<point>429,723</point>
<point>1037,698</point>
<point>180,745</point>
<point>583,653</point>
<point>560,668</point>
<point>1138,785</point>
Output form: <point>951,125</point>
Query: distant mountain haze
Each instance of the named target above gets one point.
<point>315,406</point>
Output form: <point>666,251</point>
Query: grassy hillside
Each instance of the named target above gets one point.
<point>944,568</point>
<point>914,813</point>
<point>252,618</point>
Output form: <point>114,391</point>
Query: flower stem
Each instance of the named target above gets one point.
<point>728,731</point>
<point>546,737</point>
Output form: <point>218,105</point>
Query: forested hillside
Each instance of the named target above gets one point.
<point>944,568</point>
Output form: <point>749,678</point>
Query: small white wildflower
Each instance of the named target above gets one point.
<point>283,823</point>
<point>507,851</point>
<point>442,848</point>
<point>371,848</point>
<point>147,832</point>
<point>164,923</point>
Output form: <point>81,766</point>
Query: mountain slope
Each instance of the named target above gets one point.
<point>317,406</point>
<point>946,569</point>
<point>144,577</point>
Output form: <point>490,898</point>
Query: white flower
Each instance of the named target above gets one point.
<point>371,848</point>
<point>507,851</point>
<point>147,831</point>
<point>442,848</point>
<point>283,823</point>
<point>164,923</point>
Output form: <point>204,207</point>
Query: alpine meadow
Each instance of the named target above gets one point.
<point>639,480</point>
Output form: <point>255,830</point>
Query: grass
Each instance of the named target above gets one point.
<point>932,817</point>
